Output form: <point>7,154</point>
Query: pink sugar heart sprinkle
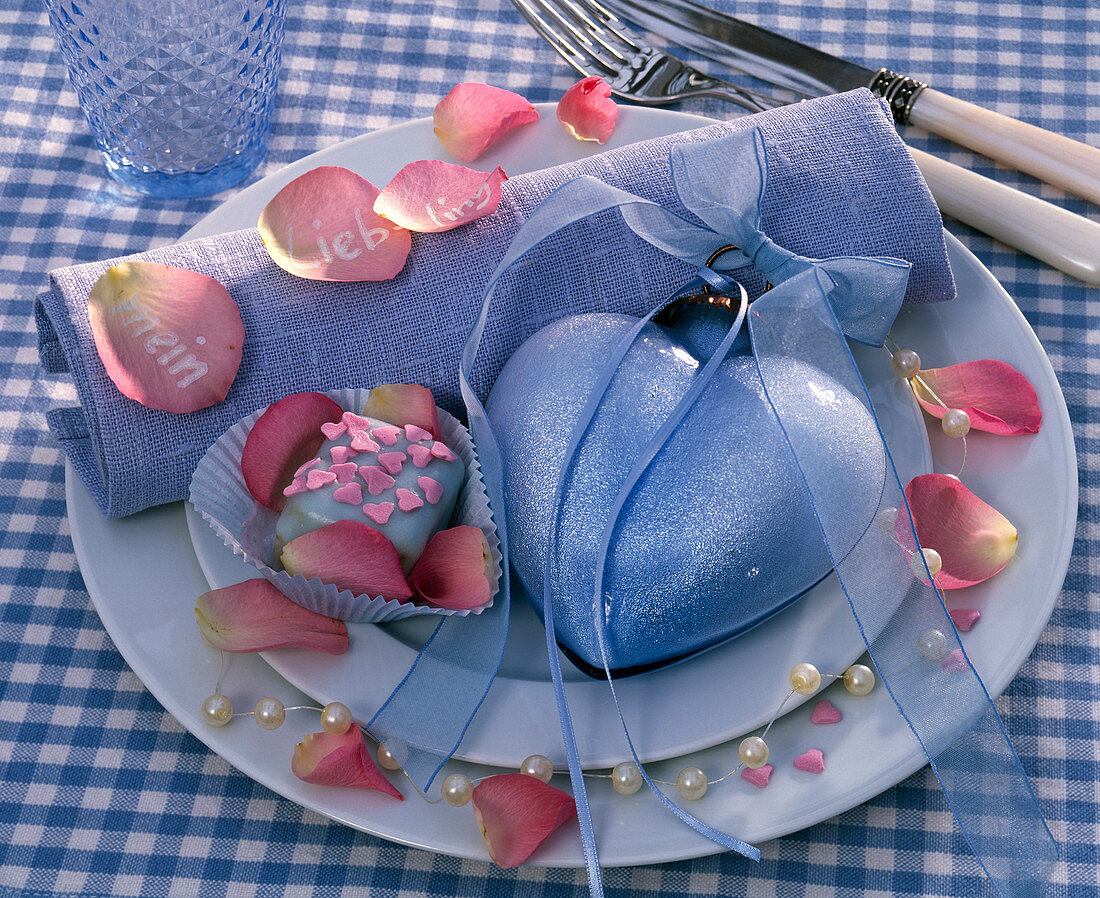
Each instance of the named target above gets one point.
<point>298,485</point>
<point>407,500</point>
<point>354,423</point>
<point>415,434</point>
<point>312,463</point>
<point>965,618</point>
<point>378,481</point>
<point>341,454</point>
<point>433,489</point>
<point>387,433</point>
<point>317,479</point>
<point>955,661</point>
<point>421,455</point>
<point>379,512</point>
<point>345,473</point>
<point>826,712</point>
<point>440,450</point>
<point>813,761</point>
<point>362,442</point>
<point>392,461</point>
<point>758,777</point>
<point>333,429</point>
<point>349,493</point>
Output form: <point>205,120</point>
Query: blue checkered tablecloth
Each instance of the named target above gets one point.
<point>103,793</point>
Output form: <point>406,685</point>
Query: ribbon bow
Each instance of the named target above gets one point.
<point>815,304</point>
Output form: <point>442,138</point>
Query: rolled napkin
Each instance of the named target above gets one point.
<point>840,183</point>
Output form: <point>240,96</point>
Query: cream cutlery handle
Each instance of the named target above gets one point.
<point>1050,233</point>
<point>1050,157</point>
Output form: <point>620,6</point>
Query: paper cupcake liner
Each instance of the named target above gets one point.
<point>219,493</point>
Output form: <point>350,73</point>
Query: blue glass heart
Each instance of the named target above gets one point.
<point>717,535</point>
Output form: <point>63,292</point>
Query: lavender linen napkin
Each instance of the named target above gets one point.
<point>841,183</point>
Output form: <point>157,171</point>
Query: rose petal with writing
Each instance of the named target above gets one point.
<point>168,338</point>
<point>973,539</point>
<point>254,616</point>
<point>330,759</point>
<point>322,226</point>
<point>587,111</point>
<point>997,397</point>
<point>516,814</point>
<point>436,196</point>
<point>474,116</point>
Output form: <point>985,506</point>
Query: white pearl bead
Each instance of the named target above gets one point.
<point>538,766</point>
<point>391,756</point>
<point>859,679</point>
<point>930,557</point>
<point>955,422</point>
<point>692,783</point>
<point>932,644</point>
<point>753,751</point>
<point>805,679</point>
<point>457,790</point>
<point>269,713</point>
<point>626,778</point>
<point>905,363</point>
<point>336,718</point>
<point>217,710</point>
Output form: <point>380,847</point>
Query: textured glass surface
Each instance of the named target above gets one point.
<point>177,92</point>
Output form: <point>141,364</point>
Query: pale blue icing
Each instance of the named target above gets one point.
<point>410,530</point>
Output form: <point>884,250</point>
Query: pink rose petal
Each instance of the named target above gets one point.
<point>403,404</point>
<point>813,761</point>
<point>587,111</point>
<point>974,540</point>
<point>323,226</point>
<point>378,481</point>
<point>454,569</point>
<point>349,494</point>
<point>351,556</point>
<point>328,759</point>
<point>379,512</point>
<point>433,489</point>
<point>826,712</point>
<point>407,500</point>
<point>516,813</point>
<point>759,777</point>
<point>168,338</point>
<point>254,616</point>
<point>965,618</point>
<point>283,438</point>
<point>474,116</point>
<point>436,196</point>
<point>954,661</point>
<point>997,397</point>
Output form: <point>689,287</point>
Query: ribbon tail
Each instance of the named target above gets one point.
<point>981,775</point>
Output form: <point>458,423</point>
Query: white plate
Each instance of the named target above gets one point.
<point>1031,479</point>
<point>519,715</point>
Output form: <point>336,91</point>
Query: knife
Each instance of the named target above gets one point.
<point>1050,157</point>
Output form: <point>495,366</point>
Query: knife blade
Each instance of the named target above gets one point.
<point>748,48</point>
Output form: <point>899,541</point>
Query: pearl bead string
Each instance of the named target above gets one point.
<point>906,365</point>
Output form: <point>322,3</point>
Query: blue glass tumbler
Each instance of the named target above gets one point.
<point>178,93</point>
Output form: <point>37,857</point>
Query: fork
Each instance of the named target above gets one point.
<point>595,42</point>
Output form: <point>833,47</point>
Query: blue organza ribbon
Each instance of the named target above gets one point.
<point>815,304</point>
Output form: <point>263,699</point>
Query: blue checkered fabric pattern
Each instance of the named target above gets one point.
<point>103,793</point>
